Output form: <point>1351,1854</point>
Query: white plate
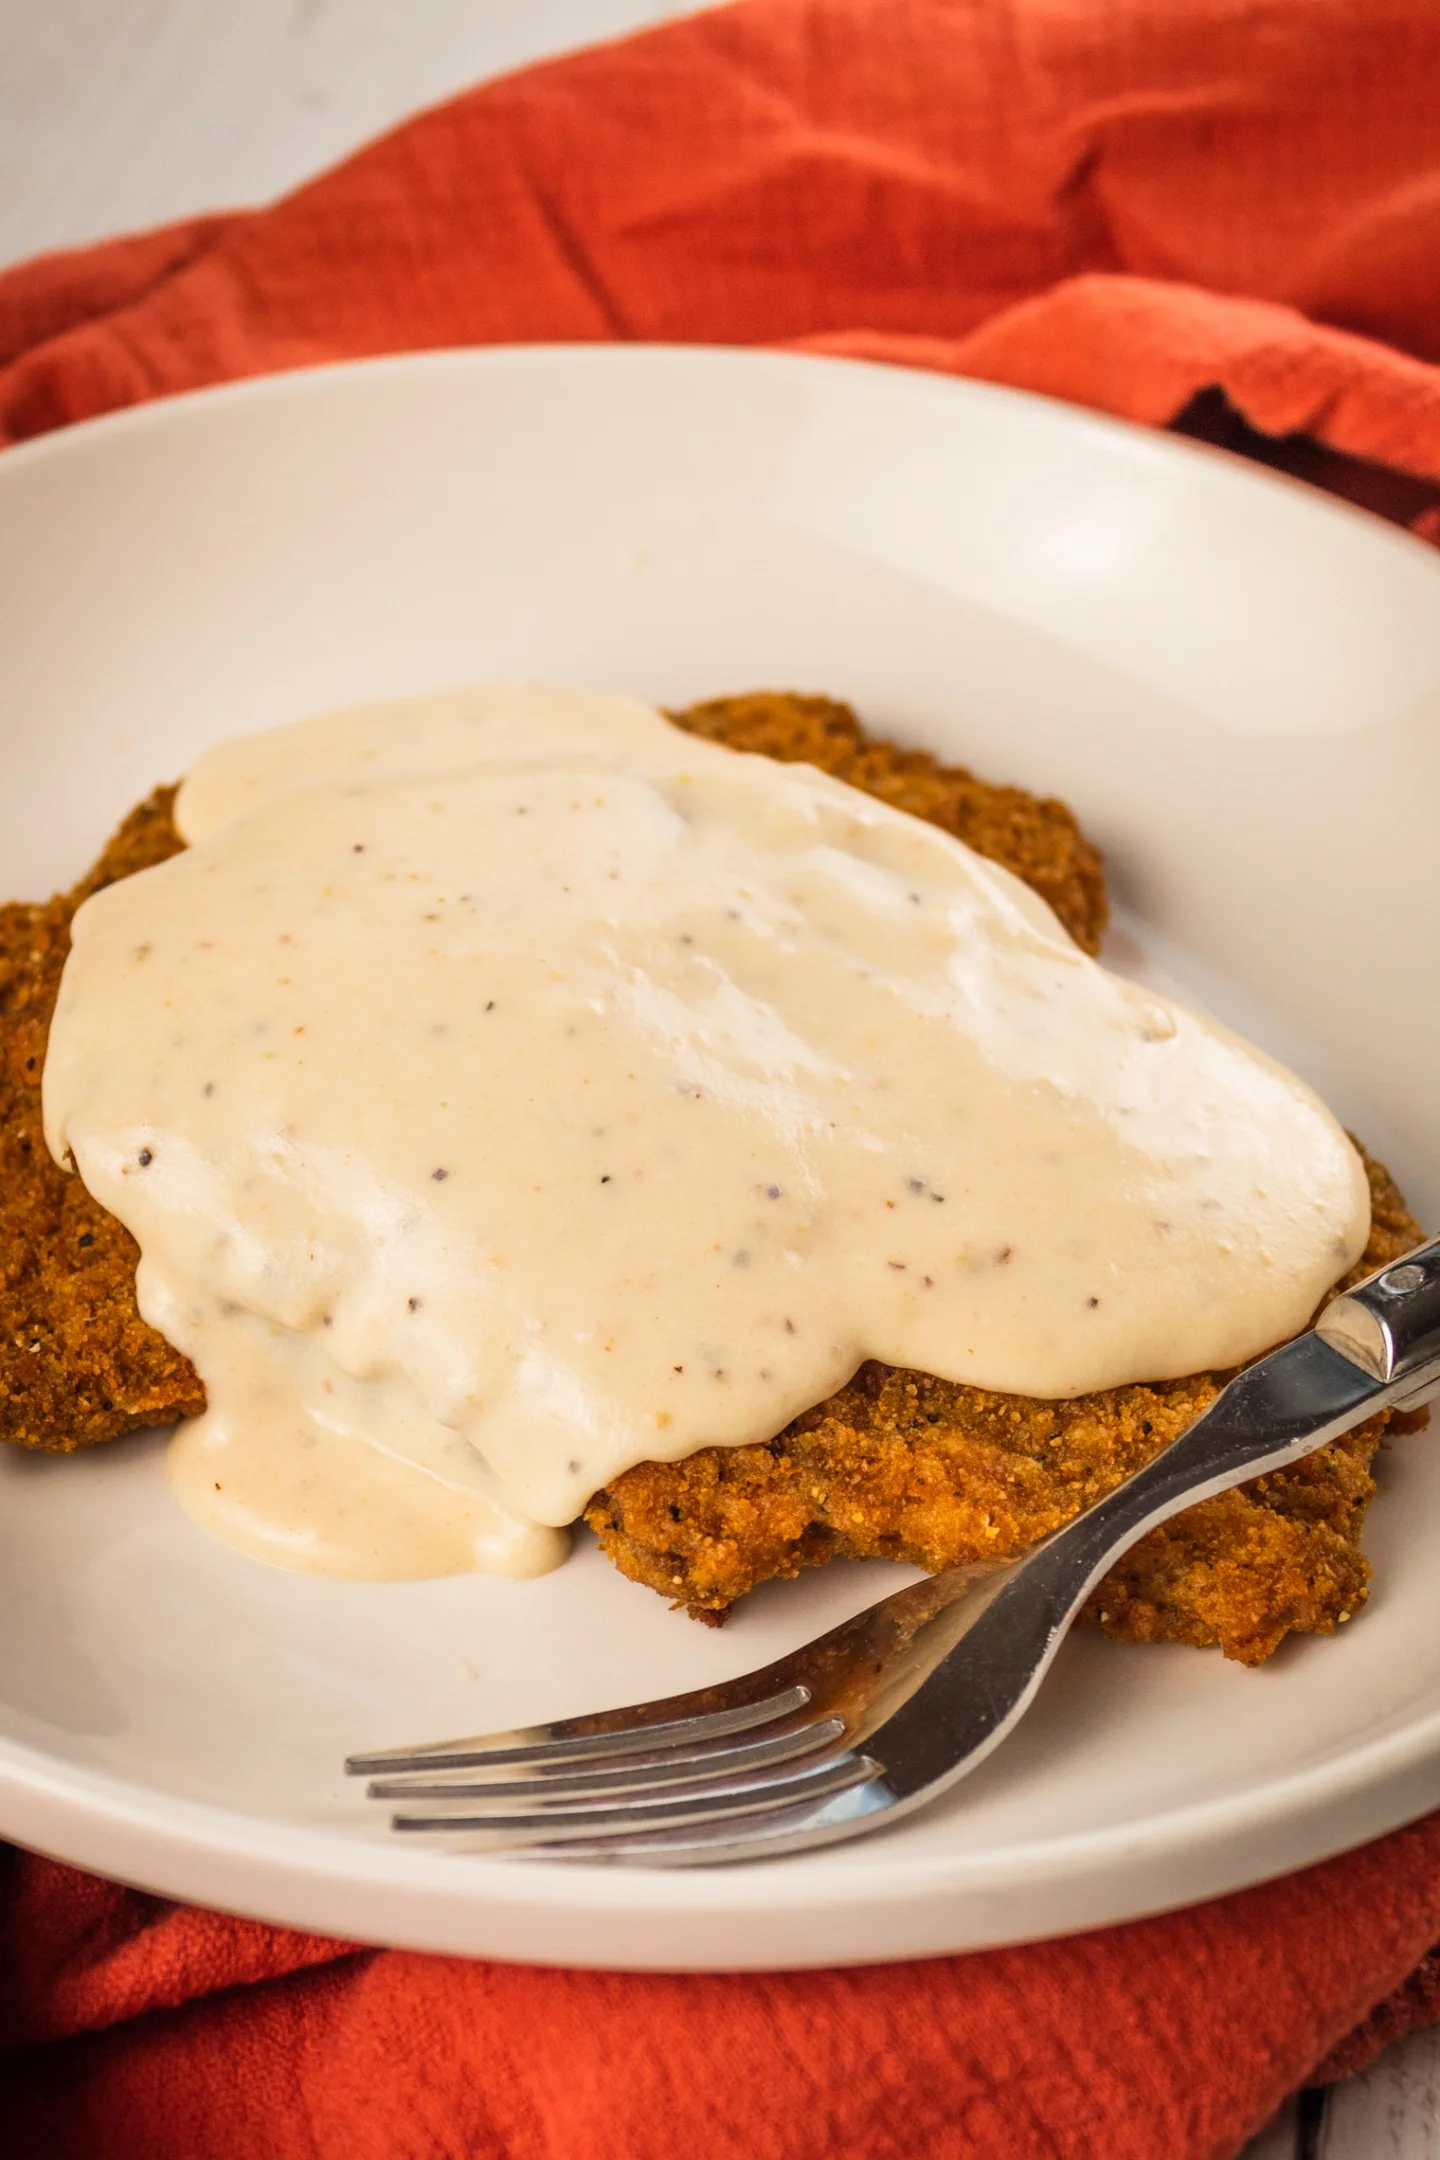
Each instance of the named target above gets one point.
<point>1235,683</point>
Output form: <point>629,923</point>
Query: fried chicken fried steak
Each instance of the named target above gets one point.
<point>896,1464</point>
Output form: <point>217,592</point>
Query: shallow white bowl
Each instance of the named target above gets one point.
<point>1235,682</point>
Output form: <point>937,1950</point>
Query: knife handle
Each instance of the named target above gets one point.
<point>1389,1325</point>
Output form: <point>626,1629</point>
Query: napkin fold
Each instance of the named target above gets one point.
<point>1127,203</point>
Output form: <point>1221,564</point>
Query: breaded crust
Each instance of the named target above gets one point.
<point>77,1363</point>
<point>905,1467</point>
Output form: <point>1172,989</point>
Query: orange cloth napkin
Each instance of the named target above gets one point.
<point>1115,201</point>
<point>1122,202</point>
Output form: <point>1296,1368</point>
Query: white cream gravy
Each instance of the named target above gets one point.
<point>505,1088</point>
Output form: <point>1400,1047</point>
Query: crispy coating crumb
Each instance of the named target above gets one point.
<point>77,1363</point>
<point>1034,836</point>
<point>904,1467</point>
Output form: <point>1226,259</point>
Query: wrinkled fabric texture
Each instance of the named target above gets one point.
<point>140,2030</point>
<point>1120,202</point>
<point>1114,201</point>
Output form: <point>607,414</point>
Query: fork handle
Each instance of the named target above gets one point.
<point>1377,1346</point>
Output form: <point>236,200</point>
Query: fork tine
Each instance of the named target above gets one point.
<point>576,1775</point>
<point>796,1826</point>
<point>651,1811</point>
<point>608,1732</point>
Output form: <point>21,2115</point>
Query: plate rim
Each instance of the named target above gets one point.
<point>1159,441</point>
<point>859,1879</point>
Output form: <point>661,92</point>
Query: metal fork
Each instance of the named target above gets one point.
<point>875,1718</point>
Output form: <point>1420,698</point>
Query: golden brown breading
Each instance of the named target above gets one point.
<point>77,1363</point>
<point>900,1466</point>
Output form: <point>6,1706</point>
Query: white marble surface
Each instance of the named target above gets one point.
<point>116,114</point>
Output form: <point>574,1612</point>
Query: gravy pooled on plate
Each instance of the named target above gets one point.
<point>505,1088</point>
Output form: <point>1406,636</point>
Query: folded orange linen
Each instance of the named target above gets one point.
<point>1123,202</point>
